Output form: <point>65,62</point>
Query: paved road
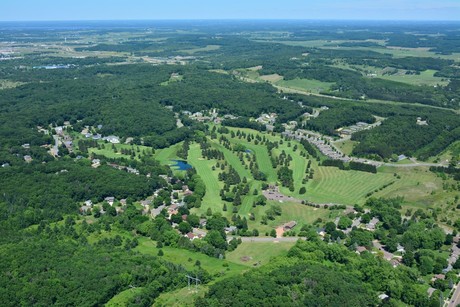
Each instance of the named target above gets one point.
<point>414,165</point>
<point>455,300</point>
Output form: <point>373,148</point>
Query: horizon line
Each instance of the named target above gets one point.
<point>237,19</point>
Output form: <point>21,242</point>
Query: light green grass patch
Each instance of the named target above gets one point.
<point>166,155</point>
<point>346,146</point>
<point>123,298</point>
<point>307,85</point>
<point>202,49</point>
<point>250,253</point>
<point>331,184</point>
<point>188,258</point>
<point>424,78</point>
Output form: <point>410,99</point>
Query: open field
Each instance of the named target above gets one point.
<point>308,85</point>
<point>250,253</point>
<point>188,258</point>
<point>203,49</point>
<point>425,78</point>
<point>123,298</point>
<point>346,146</point>
<point>271,78</point>
<point>5,84</point>
<point>331,184</point>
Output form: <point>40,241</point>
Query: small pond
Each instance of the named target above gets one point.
<point>181,165</point>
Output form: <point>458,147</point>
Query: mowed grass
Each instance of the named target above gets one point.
<point>308,85</point>
<point>331,184</point>
<point>258,252</point>
<point>425,78</point>
<point>108,151</point>
<point>204,169</point>
<point>166,155</point>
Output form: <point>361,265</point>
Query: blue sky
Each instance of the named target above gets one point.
<point>235,9</point>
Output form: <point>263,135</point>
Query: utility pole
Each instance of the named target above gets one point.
<point>193,279</point>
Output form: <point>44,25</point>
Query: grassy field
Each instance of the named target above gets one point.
<point>272,78</point>
<point>258,252</point>
<point>165,155</point>
<point>123,298</point>
<point>204,169</point>
<point>186,258</point>
<point>203,49</point>
<point>308,85</point>
<point>425,78</point>
<point>331,184</point>
<point>346,146</point>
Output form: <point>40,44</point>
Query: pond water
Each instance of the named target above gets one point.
<point>181,165</point>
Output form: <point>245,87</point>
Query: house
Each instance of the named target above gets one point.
<point>191,236</point>
<point>89,203</point>
<point>28,158</point>
<point>123,202</point>
<point>95,163</point>
<point>430,291</point>
<point>401,157</point>
<point>110,200</point>
<point>361,249</point>
<point>438,276</point>
<point>5,165</point>
<point>112,139</point>
<point>59,130</point>
<point>132,170</point>
<point>146,202</point>
<point>26,145</point>
<point>230,229</point>
<point>289,225</point>
<point>156,211</point>
<point>383,296</point>
<point>85,209</point>
<point>97,137</point>
<point>372,224</point>
<point>203,222</point>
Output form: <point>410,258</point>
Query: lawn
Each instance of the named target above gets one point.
<point>108,151</point>
<point>166,155</point>
<point>204,169</point>
<point>331,184</point>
